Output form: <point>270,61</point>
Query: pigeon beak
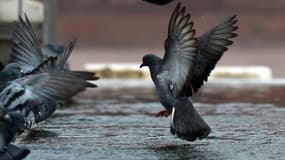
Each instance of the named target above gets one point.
<point>142,65</point>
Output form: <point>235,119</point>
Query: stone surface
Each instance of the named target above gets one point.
<point>121,124</point>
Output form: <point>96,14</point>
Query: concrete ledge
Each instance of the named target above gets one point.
<point>132,71</point>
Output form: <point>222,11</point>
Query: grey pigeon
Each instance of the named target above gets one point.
<point>159,2</point>
<point>35,96</point>
<point>186,64</point>
<point>26,53</point>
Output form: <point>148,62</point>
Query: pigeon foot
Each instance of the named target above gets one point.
<point>163,113</point>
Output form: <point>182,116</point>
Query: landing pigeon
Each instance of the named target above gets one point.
<point>186,64</point>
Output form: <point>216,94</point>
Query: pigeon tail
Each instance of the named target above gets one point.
<point>186,122</point>
<point>14,153</point>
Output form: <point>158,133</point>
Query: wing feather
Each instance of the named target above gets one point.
<point>26,48</point>
<point>180,50</point>
<point>211,47</point>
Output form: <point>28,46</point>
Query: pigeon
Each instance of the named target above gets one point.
<point>26,53</point>
<point>159,2</point>
<point>187,63</point>
<point>32,98</point>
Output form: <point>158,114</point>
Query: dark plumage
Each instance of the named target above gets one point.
<point>26,53</point>
<point>10,72</point>
<point>35,96</point>
<point>159,2</point>
<point>13,152</point>
<point>36,93</point>
<point>187,62</point>
<point>52,49</point>
<point>1,66</point>
<point>11,123</point>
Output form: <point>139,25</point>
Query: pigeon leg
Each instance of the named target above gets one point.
<point>163,113</point>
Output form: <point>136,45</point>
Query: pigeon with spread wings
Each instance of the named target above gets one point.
<point>186,64</point>
<point>35,96</point>
<point>26,53</point>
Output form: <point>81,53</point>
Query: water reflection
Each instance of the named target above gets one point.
<point>185,152</point>
<point>34,135</point>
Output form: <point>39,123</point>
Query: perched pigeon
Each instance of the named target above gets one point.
<point>186,64</point>
<point>159,2</point>
<point>35,96</point>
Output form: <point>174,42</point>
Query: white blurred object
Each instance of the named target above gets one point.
<point>242,72</point>
<point>128,70</point>
<point>11,9</point>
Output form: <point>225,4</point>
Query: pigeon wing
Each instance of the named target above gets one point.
<point>50,81</point>
<point>43,86</point>
<point>180,50</point>
<point>211,47</point>
<point>54,86</point>
<point>26,48</point>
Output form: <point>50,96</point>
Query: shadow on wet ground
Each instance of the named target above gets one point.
<point>121,124</point>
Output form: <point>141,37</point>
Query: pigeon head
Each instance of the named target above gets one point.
<point>150,60</point>
<point>10,72</point>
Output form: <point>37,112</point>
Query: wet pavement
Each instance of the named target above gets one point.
<point>121,124</point>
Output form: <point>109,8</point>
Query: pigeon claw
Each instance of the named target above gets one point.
<point>163,113</point>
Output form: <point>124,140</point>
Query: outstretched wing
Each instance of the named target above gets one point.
<point>43,88</point>
<point>180,50</point>
<point>211,47</point>
<point>26,48</point>
<point>46,84</point>
<point>56,64</point>
<point>50,81</point>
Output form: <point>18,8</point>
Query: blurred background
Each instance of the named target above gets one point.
<point>242,102</point>
<point>112,31</point>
